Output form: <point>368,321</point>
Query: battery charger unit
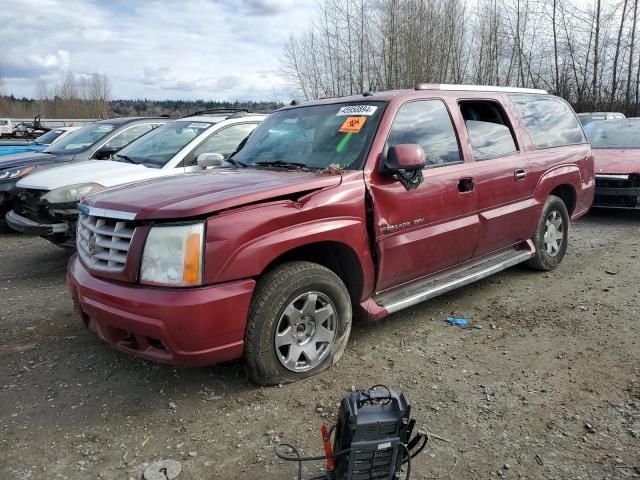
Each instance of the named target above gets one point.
<point>372,438</point>
<point>373,425</point>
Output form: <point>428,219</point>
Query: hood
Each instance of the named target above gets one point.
<point>202,193</point>
<point>30,159</point>
<point>103,172</point>
<point>609,160</point>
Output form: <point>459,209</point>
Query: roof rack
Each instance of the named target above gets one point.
<point>216,111</point>
<point>477,88</point>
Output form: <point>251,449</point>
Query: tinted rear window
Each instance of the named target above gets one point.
<point>549,121</point>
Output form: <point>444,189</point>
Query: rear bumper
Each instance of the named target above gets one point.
<point>625,198</point>
<point>195,326</point>
<point>25,225</point>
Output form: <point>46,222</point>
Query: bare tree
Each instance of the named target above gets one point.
<point>614,81</point>
<point>632,45</point>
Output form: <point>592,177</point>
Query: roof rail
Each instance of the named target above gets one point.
<point>238,114</point>
<point>478,88</point>
<point>216,111</point>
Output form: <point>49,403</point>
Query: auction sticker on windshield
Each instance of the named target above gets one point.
<point>367,110</point>
<point>352,124</point>
<point>198,125</point>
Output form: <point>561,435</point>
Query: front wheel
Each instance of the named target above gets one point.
<point>299,323</point>
<point>552,235</point>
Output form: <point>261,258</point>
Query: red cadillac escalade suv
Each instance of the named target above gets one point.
<point>365,205</point>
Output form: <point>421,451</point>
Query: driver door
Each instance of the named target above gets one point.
<point>434,227</point>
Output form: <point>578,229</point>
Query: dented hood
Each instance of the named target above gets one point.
<point>609,160</point>
<point>202,193</point>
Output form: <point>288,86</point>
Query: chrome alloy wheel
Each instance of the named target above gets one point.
<point>554,233</point>
<point>306,331</point>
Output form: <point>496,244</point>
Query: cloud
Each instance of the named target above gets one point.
<point>211,49</point>
<point>267,7</point>
<point>57,61</point>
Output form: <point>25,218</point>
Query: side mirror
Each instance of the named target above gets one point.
<point>405,157</point>
<point>104,152</point>
<point>206,160</point>
<point>406,161</point>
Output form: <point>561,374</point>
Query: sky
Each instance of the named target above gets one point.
<point>156,49</point>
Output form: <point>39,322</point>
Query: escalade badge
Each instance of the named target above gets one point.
<point>92,243</point>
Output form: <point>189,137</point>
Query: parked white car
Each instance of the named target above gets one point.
<point>46,203</point>
<point>6,127</point>
<point>54,135</point>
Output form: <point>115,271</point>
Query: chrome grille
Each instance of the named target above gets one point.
<point>103,243</point>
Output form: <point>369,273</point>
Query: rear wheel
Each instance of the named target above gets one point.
<point>299,323</point>
<point>552,236</point>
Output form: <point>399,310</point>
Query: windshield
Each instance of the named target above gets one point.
<point>159,146</point>
<point>315,137</point>
<point>49,137</point>
<point>614,133</point>
<point>81,139</point>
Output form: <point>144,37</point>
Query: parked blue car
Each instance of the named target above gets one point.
<point>9,147</point>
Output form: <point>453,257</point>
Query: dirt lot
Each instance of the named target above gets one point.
<point>544,384</point>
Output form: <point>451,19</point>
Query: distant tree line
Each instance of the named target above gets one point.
<point>587,52</point>
<point>89,96</point>
<point>178,108</point>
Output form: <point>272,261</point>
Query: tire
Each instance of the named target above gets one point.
<point>298,309</point>
<point>554,222</point>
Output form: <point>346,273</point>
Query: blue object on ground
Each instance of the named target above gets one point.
<point>458,321</point>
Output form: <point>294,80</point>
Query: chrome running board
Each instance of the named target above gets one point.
<point>430,287</point>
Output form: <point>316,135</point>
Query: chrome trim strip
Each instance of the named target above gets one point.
<point>613,207</point>
<point>489,88</point>
<point>105,212</point>
<point>451,285</point>
<point>612,176</point>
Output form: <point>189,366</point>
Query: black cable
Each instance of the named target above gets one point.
<point>406,449</point>
<point>299,459</point>
<point>424,444</point>
<point>414,441</point>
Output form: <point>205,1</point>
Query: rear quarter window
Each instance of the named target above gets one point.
<point>549,121</point>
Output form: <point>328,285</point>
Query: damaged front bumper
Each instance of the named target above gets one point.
<point>34,216</point>
<point>617,191</point>
<point>24,225</point>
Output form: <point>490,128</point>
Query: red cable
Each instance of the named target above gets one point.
<point>331,462</point>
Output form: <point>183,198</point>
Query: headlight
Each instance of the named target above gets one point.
<point>173,255</point>
<point>17,173</point>
<point>71,193</point>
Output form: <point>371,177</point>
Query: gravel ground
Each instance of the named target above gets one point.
<point>545,383</point>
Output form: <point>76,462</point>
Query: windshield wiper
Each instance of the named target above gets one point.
<point>282,163</point>
<point>126,158</point>
<point>237,163</point>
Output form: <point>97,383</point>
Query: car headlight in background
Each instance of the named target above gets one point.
<point>71,193</point>
<point>16,173</point>
<point>173,255</point>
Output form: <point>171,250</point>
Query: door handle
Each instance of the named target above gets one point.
<point>465,185</point>
<point>520,174</point>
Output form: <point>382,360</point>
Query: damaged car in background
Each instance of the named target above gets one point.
<point>46,203</point>
<point>616,152</point>
<point>98,140</point>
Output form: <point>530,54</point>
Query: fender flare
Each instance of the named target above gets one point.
<point>251,259</point>
<point>561,175</point>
